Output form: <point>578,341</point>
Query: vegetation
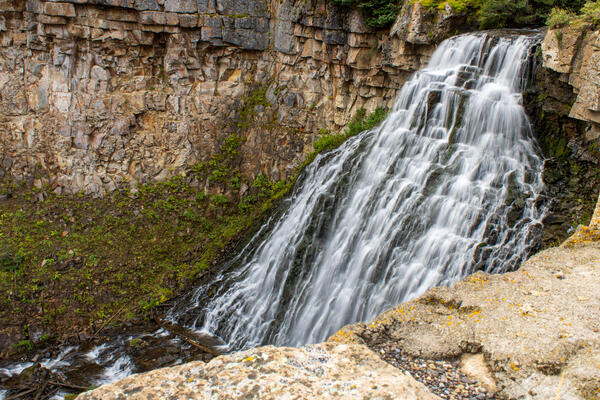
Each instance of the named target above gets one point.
<point>589,13</point>
<point>507,13</point>
<point>361,122</point>
<point>73,262</point>
<point>488,13</point>
<point>379,13</point>
<point>559,17</point>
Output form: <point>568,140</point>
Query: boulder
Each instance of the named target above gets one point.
<point>324,371</point>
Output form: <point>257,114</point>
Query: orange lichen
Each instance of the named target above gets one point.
<point>586,234</point>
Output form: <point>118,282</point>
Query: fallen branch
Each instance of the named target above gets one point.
<point>69,386</point>
<point>185,336</point>
<point>16,396</point>
<point>41,391</point>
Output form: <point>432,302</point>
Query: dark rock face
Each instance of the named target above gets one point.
<point>561,106</point>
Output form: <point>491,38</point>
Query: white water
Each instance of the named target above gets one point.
<point>444,187</point>
<point>447,185</point>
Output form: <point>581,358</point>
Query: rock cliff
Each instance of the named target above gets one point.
<point>574,52</point>
<point>94,94</point>
<point>562,106</point>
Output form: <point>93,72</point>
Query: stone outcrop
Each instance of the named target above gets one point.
<point>561,107</point>
<point>98,93</point>
<point>574,52</point>
<point>324,371</point>
<point>537,328</point>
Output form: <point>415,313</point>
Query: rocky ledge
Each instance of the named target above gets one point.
<point>533,334</point>
<point>322,371</point>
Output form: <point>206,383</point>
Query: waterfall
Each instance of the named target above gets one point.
<point>446,186</point>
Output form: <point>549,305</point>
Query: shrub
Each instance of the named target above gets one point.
<point>23,346</point>
<point>591,12</point>
<point>503,13</point>
<point>359,123</point>
<point>514,13</point>
<point>380,13</point>
<point>560,17</point>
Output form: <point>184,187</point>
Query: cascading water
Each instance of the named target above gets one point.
<point>447,185</point>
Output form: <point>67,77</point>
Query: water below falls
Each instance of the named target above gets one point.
<point>446,186</point>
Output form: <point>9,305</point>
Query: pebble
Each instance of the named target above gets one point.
<point>441,377</point>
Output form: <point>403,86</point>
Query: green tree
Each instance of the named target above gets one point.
<point>380,13</point>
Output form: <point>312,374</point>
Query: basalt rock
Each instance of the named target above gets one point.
<point>562,108</point>
<point>95,94</point>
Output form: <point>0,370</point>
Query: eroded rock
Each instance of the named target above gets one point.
<point>94,94</point>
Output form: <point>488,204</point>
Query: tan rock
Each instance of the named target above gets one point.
<point>181,79</point>
<point>324,371</point>
<point>60,9</point>
<point>560,47</point>
<point>476,368</point>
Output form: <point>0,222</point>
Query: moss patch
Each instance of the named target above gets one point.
<point>73,263</point>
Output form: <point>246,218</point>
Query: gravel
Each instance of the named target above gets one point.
<point>441,377</point>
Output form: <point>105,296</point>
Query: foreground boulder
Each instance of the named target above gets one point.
<point>331,371</point>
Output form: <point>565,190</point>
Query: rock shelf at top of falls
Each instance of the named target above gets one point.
<point>449,184</point>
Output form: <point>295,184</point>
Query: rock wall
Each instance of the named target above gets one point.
<point>574,53</point>
<point>97,93</point>
<point>563,108</point>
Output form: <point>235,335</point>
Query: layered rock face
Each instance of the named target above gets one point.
<point>98,93</point>
<point>575,53</point>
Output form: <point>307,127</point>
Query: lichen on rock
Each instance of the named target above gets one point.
<point>312,372</point>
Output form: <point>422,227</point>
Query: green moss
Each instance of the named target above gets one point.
<point>23,346</point>
<point>72,262</point>
<point>83,260</point>
<point>361,122</point>
<point>257,97</point>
